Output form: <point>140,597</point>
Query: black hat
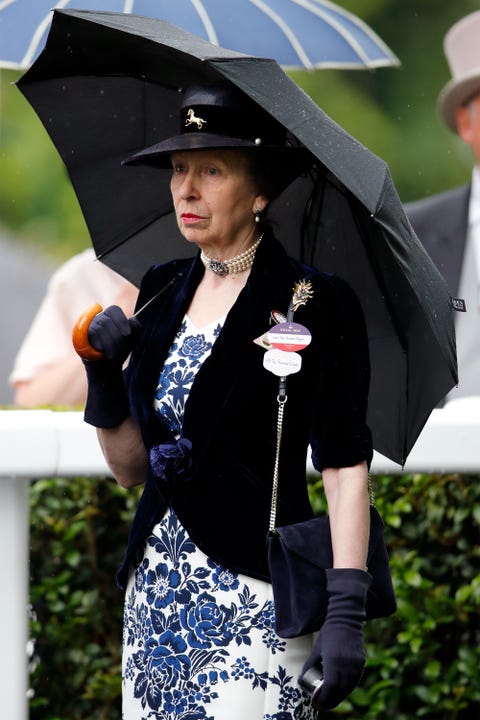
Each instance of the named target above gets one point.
<point>213,117</point>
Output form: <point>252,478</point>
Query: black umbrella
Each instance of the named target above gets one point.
<point>109,84</point>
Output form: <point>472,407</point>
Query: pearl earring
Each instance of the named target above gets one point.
<point>257,214</point>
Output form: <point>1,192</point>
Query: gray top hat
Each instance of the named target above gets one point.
<point>462,50</point>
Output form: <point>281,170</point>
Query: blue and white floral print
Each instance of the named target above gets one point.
<point>189,350</point>
<point>196,634</point>
<point>198,640</point>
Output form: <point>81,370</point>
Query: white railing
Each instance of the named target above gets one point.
<point>33,444</point>
<point>45,443</point>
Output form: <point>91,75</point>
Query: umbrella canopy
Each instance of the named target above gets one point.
<point>107,85</point>
<point>295,33</point>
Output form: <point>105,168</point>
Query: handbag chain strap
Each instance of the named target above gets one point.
<point>302,292</point>
<point>282,399</point>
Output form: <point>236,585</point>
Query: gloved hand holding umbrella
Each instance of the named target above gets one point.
<point>104,334</point>
<point>104,339</point>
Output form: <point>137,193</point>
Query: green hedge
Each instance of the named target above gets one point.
<point>424,662</point>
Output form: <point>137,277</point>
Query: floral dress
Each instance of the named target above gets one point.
<point>198,640</point>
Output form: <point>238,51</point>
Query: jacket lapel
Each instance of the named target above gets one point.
<point>161,321</point>
<point>235,355</point>
<point>452,229</point>
<point>441,223</point>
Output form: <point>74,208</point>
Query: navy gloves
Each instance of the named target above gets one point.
<point>336,664</point>
<point>113,334</point>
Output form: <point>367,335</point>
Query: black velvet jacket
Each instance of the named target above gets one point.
<point>231,412</point>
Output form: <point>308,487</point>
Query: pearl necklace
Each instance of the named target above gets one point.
<point>237,264</point>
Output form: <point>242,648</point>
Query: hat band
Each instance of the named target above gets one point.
<point>213,120</point>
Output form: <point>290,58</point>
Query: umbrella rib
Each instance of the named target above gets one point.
<point>287,31</point>
<point>336,25</point>
<point>207,23</point>
<point>202,13</point>
<point>356,47</point>
<point>38,34</point>
<point>363,26</point>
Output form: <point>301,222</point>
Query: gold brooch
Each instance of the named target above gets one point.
<point>302,292</point>
<point>192,119</point>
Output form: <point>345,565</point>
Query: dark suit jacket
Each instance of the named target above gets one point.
<point>441,222</point>
<point>231,412</point>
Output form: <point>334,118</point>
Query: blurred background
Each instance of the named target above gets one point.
<point>390,110</point>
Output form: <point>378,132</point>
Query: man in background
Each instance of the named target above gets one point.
<point>448,224</point>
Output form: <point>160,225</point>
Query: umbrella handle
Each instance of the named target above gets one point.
<point>80,334</point>
<point>80,329</point>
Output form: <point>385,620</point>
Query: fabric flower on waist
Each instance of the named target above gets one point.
<point>172,461</point>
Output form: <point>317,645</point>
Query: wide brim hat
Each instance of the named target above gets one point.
<point>217,116</point>
<point>462,50</point>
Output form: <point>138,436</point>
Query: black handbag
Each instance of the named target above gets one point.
<point>299,554</point>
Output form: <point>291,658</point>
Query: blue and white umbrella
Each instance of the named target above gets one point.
<point>296,33</point>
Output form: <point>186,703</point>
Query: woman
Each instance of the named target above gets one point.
<point>47,370</point>
<point>195,419</point>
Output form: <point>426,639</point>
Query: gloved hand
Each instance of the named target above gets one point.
<point>335,666</point>
<point>113,334</point>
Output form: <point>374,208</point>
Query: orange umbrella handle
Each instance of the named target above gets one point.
<point>80,334</point>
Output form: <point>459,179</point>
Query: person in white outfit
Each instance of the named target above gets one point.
<point>47,370</point>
